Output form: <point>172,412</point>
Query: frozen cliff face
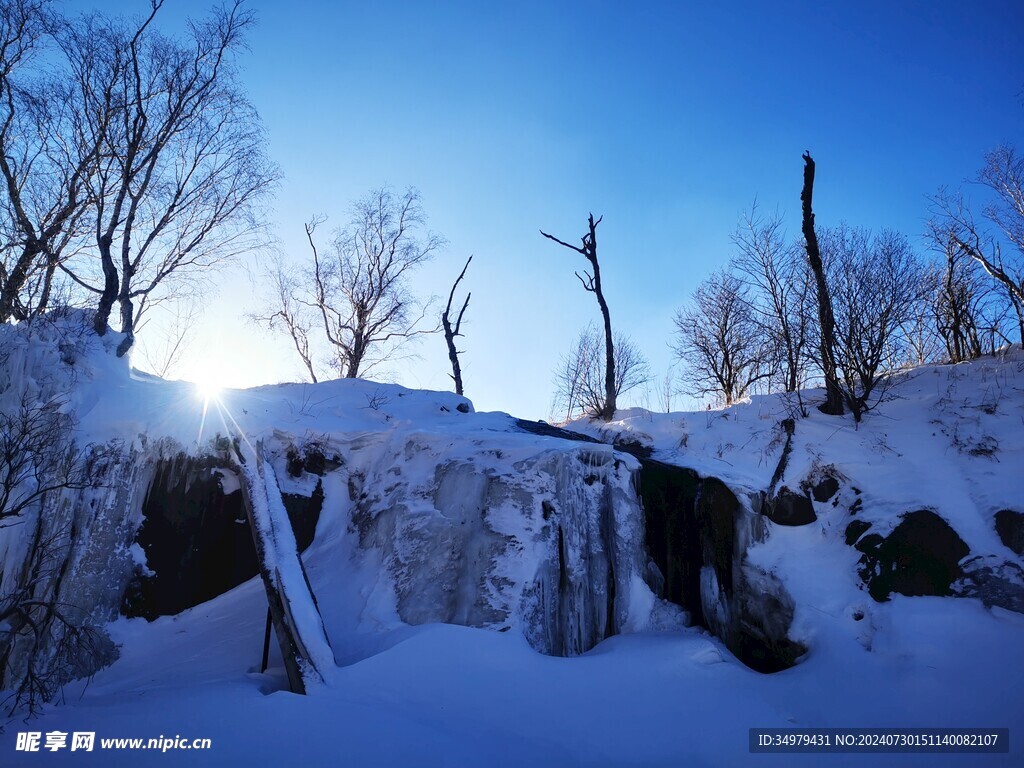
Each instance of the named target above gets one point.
<point>550,543</point>
<point>65,566</point>
<point>700,533</point>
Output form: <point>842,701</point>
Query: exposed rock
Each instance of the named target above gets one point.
<point>789,508</point>
<point>698,534</point>
<point>994,582</point>
<point>855,530</point>
<point>550,430</point>
<point>77,556</point>
<point>920,557</point>
<point>825,490</point>
<point>196,538</point>
<point>1010,527</point>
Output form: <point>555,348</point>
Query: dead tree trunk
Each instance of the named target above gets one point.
<point>305,647</point>
<point>592,283</point>
<point>833,404</point>
<point>451,332</point>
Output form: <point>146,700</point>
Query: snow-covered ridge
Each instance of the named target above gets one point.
<point>430,513</point>
<point>467,518</point>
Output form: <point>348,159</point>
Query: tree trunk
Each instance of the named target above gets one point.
<point>610,392</point>
<point>833,404</point>
<point>111,285</point>
<point>593,285</point>
<point>451,332</point>
<point>127,321</point>
<point>453,355</point>
<point>305,648</point>
<point>16,281</point>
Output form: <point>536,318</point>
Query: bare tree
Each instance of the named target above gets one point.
<point>47,641</point>
<point>592,283</point>
<point>37,455</point>
<point>162,353</point>
<point>289,314</point>
<point>451,332</point>
<point>722,346</point>
<point>361,288</point>
<point>1003,175</point>
<point>966,307</point>
<point>875,282</point>
<point>42,638</point>
<point>44,161</point>
<point>833,404</point>
<point>579,379</point>
<point>667,390</point>
<point>782,286</point>
<point>182,163</point>
<point>920,328</point>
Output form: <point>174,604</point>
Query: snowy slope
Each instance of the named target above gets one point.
<point>439,694</point>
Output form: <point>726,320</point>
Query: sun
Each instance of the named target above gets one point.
<point>208,388</point>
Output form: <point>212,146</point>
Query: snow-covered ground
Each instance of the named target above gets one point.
<point>951,440</point>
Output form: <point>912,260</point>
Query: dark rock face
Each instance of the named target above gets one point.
<point>994,582</point>
<point>920,557</point>
<point>1010,527</point>
<point>697,534</point>
<point>789,508</point>
<point>855,530</point>
<point>825,490</point>
<point>197,540</point>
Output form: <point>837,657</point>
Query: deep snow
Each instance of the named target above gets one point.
<point>452,695</point>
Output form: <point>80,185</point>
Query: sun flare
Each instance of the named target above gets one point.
<point>207,389</point>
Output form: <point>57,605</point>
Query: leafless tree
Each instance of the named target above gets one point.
<point>966,306</point>
<point>182,165</point>
<point>47,642</point>
<point>38,455</point>
<point>722,346</point>
<point>919,329</point>
<point>592,283</point>
<point>1003,175</point>
<point>579,379</point>
<point>42,640</point>
<point>288,314</point>
<point>162,352</point>
<point>833,404</point>
<point>667,390</point>
<point>451,332</point>
<point>781,284</point>
<point>875,283</point>
<point>44,161</point>
<point>360,289</point>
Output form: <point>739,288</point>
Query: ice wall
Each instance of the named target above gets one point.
<point>550,543</point>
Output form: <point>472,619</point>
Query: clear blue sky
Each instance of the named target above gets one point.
<point>668,119</point>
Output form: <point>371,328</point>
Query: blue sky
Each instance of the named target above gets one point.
<point>668,119</point>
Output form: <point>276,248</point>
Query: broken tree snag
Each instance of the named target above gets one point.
<point>451,332</point>
<point>305,647</point>
<point>833,404</point>
<point>592,283</point>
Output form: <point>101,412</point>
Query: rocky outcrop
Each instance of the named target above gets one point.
<point>554,547</point>
<point>1010,527</point>
<point>921,556</point>
<point>195,536</point>
<point>993,581</point>
<point>789,508</point>
<point>698,534</point>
